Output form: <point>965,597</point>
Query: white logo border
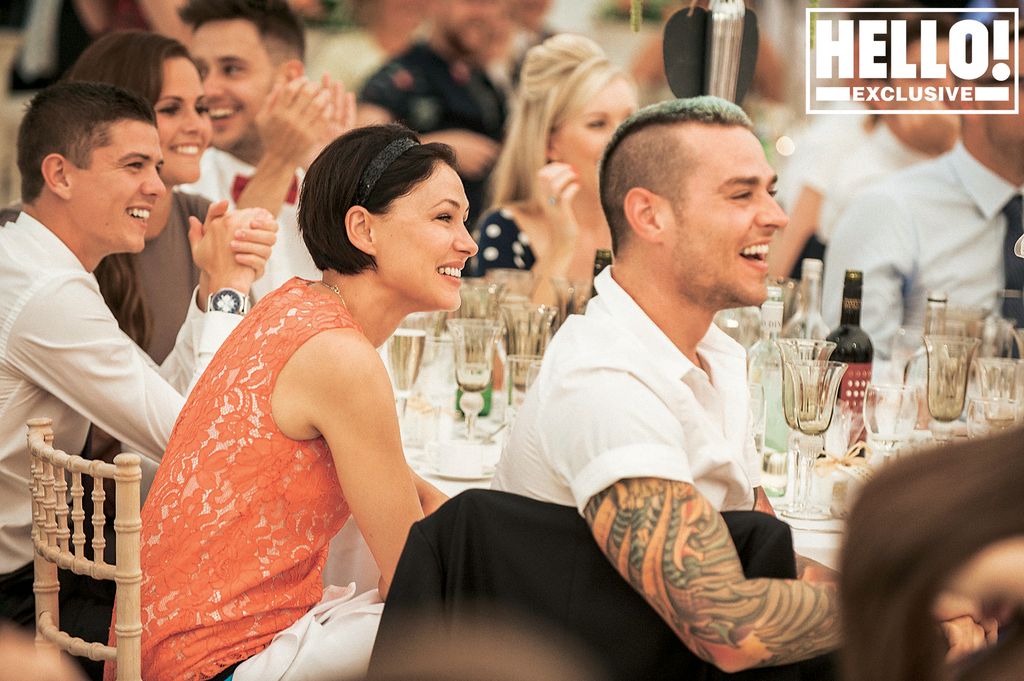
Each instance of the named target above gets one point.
<point>809,11</point>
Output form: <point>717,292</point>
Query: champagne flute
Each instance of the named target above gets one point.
<point>405,354</point>
<point>949,360</point>
<point>474,341</point>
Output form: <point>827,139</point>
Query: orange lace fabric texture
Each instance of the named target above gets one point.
<point>236,527</point>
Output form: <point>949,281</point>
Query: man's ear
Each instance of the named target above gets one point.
<point>646,214</point>
<point>58,175</point>
<point>359,229</point>
<point>291,69</point>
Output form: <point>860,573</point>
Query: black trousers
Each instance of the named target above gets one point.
<point>487,551</point>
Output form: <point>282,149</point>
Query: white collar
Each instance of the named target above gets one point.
<point>58,253</point>
<point>621,306</point>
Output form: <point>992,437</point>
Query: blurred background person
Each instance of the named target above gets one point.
<point>933,535</point>
<point>440,89</point>
<point>880,146</point>
<point>384,29</point>
<point>546,212</point>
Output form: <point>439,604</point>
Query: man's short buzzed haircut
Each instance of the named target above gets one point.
<point>639,156</point>
<point>72,119</point>
<point>273,19</point>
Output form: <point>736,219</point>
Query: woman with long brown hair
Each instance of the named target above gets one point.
<point>930,532</point>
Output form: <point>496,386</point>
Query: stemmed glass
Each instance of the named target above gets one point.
<point>890,413</point>
<point>949,360</point>
<point>405,353</point>
<point>571,296</point>
<point>474,341</point>
<point>810,384</point>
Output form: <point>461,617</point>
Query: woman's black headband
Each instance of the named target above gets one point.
<point>380,163</point>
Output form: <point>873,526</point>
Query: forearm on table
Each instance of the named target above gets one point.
<point>673,548</point>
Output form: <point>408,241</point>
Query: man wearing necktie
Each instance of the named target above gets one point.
<point>269,120</point>
<point>949,224</point>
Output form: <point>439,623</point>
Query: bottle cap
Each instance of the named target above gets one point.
<point>811,266</point>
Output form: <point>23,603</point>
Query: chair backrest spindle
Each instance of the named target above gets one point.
<point>50,534</point>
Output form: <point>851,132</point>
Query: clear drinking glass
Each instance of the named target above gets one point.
<point>890,412</point>
<point>519,381</point>
<point>949,361</point>
<point>571,297</point>
<point>757,417</point>
<point>405,353</point>
<point>517,282</point>
<point>474,341</point>
<point>988,416</point>
<point>480,299</point>
<point>1000,377</point>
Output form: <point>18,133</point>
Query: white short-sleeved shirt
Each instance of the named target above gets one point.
<point>289,257</point>
<point>615,399</point>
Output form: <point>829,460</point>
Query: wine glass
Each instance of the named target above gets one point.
<point>792,349</point>
<point>474,341</point>
<point>480,299</point>
<point>988,416</point>
<point>809,391</point>
<point>949,359</point>
<point>890,413</point>
<point>571,297</point>
<point>405,354</point>
<point>517,282</point>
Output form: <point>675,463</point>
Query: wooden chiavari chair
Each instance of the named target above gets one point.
<point>51,536</point>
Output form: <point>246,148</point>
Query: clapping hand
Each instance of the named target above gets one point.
<point>231,249</point>
<point>338,118</point>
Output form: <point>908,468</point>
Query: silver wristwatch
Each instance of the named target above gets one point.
<point>228,300</point>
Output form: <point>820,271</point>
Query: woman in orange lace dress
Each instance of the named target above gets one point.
<point>293,428</point>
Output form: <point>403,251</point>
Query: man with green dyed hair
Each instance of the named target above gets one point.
<point>656,395</point>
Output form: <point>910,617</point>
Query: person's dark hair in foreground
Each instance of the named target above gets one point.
<point>941,523</point>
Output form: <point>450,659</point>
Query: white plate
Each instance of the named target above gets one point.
<point>487,474</point>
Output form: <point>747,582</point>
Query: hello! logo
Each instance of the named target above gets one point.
<point>912,61</point>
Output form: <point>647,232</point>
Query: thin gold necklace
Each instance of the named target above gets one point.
<point>336,292</point>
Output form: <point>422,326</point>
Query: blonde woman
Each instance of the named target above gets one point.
<point>546,214</point>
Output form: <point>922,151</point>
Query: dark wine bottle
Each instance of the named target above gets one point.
<point>853,345</point>
<point>602,259</point>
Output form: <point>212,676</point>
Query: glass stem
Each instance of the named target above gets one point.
<point>807,451</point>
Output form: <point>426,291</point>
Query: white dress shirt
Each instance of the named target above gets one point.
<point>878,155</point>
<point>289,257</point>
<point>936,226</point>
<point>63,356</point>
<point>615,399</point>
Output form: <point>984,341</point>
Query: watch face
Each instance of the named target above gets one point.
<point>227,301</point>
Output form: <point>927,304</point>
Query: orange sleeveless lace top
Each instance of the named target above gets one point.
<point>236,526</point>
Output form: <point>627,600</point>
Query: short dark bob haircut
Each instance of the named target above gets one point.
<point>330,188</point>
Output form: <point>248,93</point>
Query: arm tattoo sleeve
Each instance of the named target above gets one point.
<point>673,548</point>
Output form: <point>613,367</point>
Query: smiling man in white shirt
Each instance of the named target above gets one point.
<point>89,156</point>
<point>639,415</point>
